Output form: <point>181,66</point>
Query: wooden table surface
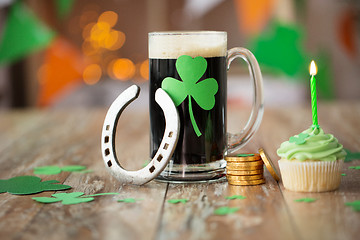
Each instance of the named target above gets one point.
<point>35,138</point>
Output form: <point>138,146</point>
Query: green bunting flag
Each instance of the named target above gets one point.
<point>23,33</point>
<point>281,48</point>
<point>63,7</point>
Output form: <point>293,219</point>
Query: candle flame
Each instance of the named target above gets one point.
<point>313,68</point>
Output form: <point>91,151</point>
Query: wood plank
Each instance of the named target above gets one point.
<point>49,142</point>
<point>328,217</point>
<point>39,145</point>
<point>260,213</point>
<point>102,218</point>
<point>30,139</point>
<point>14,125</point>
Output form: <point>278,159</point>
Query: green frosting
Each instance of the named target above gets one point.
<point>316,146</point>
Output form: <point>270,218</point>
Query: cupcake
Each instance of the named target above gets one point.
<point>311,161</point>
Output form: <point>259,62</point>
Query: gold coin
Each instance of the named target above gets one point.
<point>241,164</point>
<point>244,172</point>
<point>269,165</point>
<point>242,178</point>
<point>243,157</point>
<point>244,168</point>
<point>247,182</point>
<point>245,165</point>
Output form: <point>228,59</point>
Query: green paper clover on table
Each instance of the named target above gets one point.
<point>73,168</point>
<point>225,210</point>
<point>235,197</point>
<point>307,200</point>
<point>69,198</point>
<point>65,198</point>
<point>22,185</point>
<point>351,155</point>
<point>355,167</point>
<point>176,201</point>
<point>129,200</point>
<point>51,170</point>
<point>355,205</point>
<point>300,139</point>
<point>47,170</point>
<point>245,155</point>
<point>203,92</point>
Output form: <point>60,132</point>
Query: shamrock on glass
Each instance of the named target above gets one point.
<point>192,69</point>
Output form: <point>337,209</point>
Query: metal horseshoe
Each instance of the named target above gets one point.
<point>167,145</point>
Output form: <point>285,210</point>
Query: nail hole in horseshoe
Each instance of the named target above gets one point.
<point>159,158</point>
<point>107,127</point>
<point>109,163</point>
<point>166,146</point>
<point>152,169</point>
<point>170,134</point>
<point>106,139</point>
<point>107,152</point>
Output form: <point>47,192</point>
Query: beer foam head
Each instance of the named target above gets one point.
<point>171,45</point>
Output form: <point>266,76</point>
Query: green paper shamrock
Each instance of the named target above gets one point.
<point>300,139</point>
<point>176,201</point>
<point>69,198</point>
<point>307,200</point>
<point>245,155</point>
<point>355,167</point>
<point>235,197</point>
<point>351,155</point>
<point>47,170</point>
<point>355,205</point>
<point>203,92</point>
<point>73,168</point>
<point>65,198</point>
<point>128,200</point>
<point>51,170</point>
<point>29,185</point>
<point>225,210</point>
<point>343,174</point>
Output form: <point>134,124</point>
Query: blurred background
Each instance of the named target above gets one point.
<point>83,53</point>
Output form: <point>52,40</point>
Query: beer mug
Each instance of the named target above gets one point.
<point>192,69</point>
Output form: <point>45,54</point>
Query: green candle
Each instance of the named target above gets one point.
<point>313,71</point>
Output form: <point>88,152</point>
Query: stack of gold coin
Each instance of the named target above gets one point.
<point>245,169</point>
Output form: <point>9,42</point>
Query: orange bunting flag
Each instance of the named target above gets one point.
<point>346,31</point>
<point>253,15</point>
<point>61,71</point>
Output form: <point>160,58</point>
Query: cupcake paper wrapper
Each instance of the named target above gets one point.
<point>311,176</point>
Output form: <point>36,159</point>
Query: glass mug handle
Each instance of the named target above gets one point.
<point>238,140</point>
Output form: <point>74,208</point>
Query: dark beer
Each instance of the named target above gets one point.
<point>202,59</point>
<point>191,149</point>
